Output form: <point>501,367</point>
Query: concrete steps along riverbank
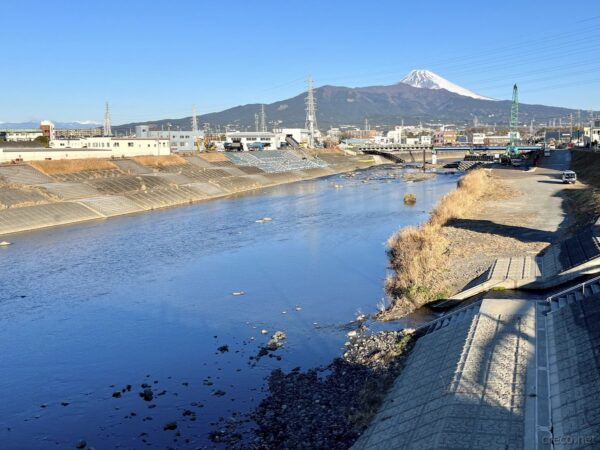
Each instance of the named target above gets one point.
<point>557,264</point>
<point>500,373</point>
<point>572,331</point>
<point>31,199</point>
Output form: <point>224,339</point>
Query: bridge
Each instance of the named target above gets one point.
<point>401,153</point>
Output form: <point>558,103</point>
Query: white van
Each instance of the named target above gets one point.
<point>568,176</point>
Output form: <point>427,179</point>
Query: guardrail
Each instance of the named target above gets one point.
<point>573,288</point>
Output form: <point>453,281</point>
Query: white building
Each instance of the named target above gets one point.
<point>20,134</point>
<point>397,135</point>
<point>593,132</point>
<point>478,138</point>
<point>300,135</point>
<point>149,146</point>
<point>252,140</point>
<point>94,147</point>
<point>425,139</point>
<point>180,141</point>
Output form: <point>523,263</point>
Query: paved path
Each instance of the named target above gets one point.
<point>537,214</point>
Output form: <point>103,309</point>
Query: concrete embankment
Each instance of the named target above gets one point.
<point>51,193</point>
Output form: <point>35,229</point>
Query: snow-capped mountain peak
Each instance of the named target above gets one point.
<point>429,80</point>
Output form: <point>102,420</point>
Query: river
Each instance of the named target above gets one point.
<point>88,309</point>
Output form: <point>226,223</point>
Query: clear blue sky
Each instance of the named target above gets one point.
<point>155,59</point>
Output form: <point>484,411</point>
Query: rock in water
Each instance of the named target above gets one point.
<point>81,444</point>
<point>170,426</point>
<point>276,340</point>
<point>147,394</point>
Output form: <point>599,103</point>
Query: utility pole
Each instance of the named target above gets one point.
<point>531,128</point>
<point>194,120</point>
<point>256,122</point>
<point>571,127</point>
<point>401,132</point>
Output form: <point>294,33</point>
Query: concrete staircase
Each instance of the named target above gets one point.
<point>464,166</point>
<point>574,294</point>
<point>466,313</point>
<point>559,263</point>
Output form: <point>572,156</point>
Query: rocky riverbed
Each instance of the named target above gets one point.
<point>323,407</point>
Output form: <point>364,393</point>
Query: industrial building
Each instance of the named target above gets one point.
<point>77,133</point>
<point>20,134</point>
<point>300,135</point>
<point>139,146</point>
<point>180,141</point>
<point>252,140</point>
<point>94,147</point>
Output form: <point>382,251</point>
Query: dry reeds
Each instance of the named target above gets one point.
<point>418,255</point>
<point>62,166</point>
<point>160,161</point>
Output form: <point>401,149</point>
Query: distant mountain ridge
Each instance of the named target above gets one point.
<point>381,105</point>
<point>36,124</point>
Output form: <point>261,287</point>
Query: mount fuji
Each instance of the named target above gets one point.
<point>421,96</point>
<point>427,79</point>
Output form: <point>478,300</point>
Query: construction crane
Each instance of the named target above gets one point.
<point>514,121</point>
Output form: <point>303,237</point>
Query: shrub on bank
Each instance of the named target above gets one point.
<point>410,199</point>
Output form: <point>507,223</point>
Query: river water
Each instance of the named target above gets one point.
<point>88,309</point>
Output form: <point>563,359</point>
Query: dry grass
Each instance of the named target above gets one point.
<point>213,157</point>
<point>61,166</point>
<point>419,256</point>
<point>324,151</point>
<point>584,203</point>
<point>587,166</point>
<point>160,161</point>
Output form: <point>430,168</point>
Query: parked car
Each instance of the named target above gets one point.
<point>568,176</point>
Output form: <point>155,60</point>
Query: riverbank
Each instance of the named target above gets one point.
<point>324,407</point>
<point>493,213</point>
<point>53,193</point>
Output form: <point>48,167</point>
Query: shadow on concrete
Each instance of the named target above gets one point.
<point>555,181</point>
<point>522,234</point>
